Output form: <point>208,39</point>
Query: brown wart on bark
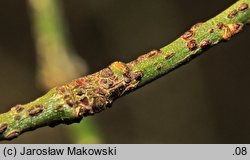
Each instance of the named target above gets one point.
<point>191,44</point>
<point>153,53</point>
<point>35,110</point>
<point>205,43</point>
<point>231,29</point>
<point>12,134</point>
<point>85,101</point>
<point>67,94</point>
<point>220,25</point>
<point>243,7</point>
<point>85,107</point>
<point>232,14</point>
<point>100,91</point>
<point>18,108</point>
<point>116,91</point>
<point>62,90</point>
<point>99,104</point>
<point>3,127</point>
<point>141,58</point>
<point>227,33</point>
<point>68,100</point>
<point>137,75</point>
<point>169,55</point>
<point>107,72</point>
<point>196,26</point>
<point>235,27</point>
<point>114,78</point>
<point>187,34</point>
<point>126,78</point>
<point>106,83</point>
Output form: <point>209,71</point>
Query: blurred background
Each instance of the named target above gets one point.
<point>206,101</point>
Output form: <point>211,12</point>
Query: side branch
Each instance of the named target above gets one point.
<point>94,93</point>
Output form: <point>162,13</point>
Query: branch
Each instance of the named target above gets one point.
<point>94,93</point>
<point>52,42</point>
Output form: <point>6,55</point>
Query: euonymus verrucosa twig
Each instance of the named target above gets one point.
<point>96,92</point>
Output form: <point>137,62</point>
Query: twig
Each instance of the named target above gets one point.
<point>52,42</point>
<point>94,93</point>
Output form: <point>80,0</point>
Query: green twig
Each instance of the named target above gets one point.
<point>52,42</point>
<point>94,93</point>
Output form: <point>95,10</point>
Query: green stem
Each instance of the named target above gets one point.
<point>94,93</point>
<point>51,42</point>
<point>51,39</point>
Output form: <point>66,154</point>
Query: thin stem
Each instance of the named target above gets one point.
<point>94,93</point>
<point>52,42</point>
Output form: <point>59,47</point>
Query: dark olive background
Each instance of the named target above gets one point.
<point>206,101</point>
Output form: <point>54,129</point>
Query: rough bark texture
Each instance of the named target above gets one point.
<point>94,93</point>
